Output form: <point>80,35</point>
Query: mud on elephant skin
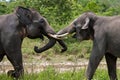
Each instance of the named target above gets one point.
<point>14,27</point>
<point>104,31</point>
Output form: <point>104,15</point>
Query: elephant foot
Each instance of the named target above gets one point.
<point>11,73</point>
<point>14,74</point>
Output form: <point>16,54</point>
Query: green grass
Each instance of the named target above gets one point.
<point>74,47</point>
<point>76,50</point>
<point>51,74</point>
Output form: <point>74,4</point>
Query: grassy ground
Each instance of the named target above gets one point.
<point>51,74</point>
<point>80,50</point>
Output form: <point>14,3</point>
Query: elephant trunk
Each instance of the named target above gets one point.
<point>50,44</point>
<point>69,29</point>
<point>64,32</point>
<point>64,47</point>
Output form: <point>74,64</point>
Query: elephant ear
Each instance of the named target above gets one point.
<point>24,15</point>
<point>85,26</point>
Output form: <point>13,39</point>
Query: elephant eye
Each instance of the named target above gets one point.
<point>42,20</point>
<point>75,23</point>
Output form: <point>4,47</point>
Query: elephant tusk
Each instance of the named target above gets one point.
<point>62,35</point>
<point>56,36</point>
<point>53,36</point>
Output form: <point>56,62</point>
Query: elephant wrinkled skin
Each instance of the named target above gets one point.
<point>14,27</point>
<point>104,32</point>
<point>45,29</point>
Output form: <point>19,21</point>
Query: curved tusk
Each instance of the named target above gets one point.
<point>62,35</point>
<point>58,36</point>
<point>53,36</point>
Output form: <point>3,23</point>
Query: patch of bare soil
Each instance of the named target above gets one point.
<point>35,64</point>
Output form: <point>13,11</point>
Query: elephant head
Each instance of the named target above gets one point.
<point>81,27</point>
<point>40,28</point>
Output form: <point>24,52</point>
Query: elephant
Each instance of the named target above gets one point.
<point>14,27</point>
<point>104,32</point>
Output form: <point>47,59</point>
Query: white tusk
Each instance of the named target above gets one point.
<point>53,35</point>
<point>58,36</point>
<point>62,35</point>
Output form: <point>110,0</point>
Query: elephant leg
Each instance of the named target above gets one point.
<point>93,64</point>
<point>111,64</point>
<point>2,52</point>
<point>16,61</point>
<point>95,58</point>
<point>1,56</point>
<point>12,47</point>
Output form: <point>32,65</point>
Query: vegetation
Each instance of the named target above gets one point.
<point>51,74</point>
<point>59,14</point>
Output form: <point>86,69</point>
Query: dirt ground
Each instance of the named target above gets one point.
<point>37,63</point>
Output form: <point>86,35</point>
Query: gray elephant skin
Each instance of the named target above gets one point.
<point>14,27</point>
<point>104,31</point>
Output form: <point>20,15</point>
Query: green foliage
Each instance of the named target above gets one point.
<point>92,6</point>
<point>3,6</point>
<point>59,14</point>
